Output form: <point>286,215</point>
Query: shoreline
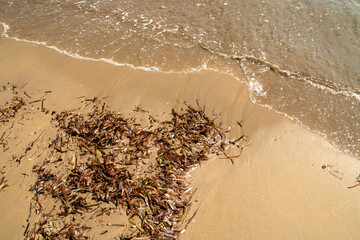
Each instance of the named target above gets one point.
<point>276,189</point>
<point>204,68</point>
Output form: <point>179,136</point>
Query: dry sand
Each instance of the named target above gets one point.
<point>275,190</point>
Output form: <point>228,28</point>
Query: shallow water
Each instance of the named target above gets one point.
<point>299,58</point>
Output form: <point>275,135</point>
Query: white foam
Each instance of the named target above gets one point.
<point>6,28</point>
<point>287,73</point>
<point>335,92</point>
<point>79,2</point>
<point>300,123</point>
<point>110,61</point>
<point>254,86</point>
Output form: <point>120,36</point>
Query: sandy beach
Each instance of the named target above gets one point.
<point>276,189</point>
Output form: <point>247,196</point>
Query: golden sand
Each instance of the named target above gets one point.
<point>275,190</point>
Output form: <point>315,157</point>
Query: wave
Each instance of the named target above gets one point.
<point>322,84</point>
<point>110,61</point>
<point>255,88</point>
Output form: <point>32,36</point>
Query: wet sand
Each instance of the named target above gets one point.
<point>275,190</point>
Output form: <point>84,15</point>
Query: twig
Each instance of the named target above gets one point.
<point>24,85</point>
<point>25,93</point>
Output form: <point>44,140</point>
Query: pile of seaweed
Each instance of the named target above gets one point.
<point>119,163</point>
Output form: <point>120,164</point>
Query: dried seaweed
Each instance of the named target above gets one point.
<point>357,182</point>
<point>9,112</point>
<point>139,168</point>
<point>3,183</point>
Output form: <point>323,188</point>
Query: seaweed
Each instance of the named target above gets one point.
<point>119,163</point>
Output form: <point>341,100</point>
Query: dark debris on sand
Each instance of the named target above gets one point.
<point>10,111</point>
<point>120,163</point>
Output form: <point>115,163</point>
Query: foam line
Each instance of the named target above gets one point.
<point>253,87</point>
<point>6,28</point>
<point>327,85</point>
<point>110,61</point>
<point>190,70</point>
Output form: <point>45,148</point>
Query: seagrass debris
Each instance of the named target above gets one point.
<point>357,182</point>
<point>119,163</point>
<point>10,111</point>
<point>3,183</point>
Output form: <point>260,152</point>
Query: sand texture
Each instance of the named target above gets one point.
<point>276,189</point>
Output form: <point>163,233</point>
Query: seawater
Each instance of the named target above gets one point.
<point>299,58</point>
